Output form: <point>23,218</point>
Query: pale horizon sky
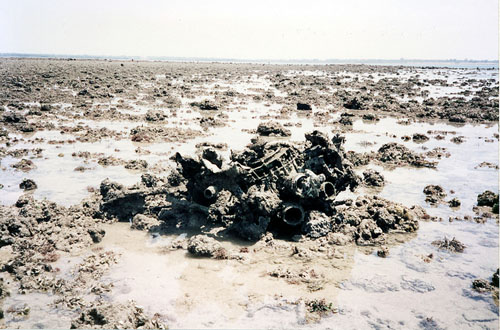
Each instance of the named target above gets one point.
<point>321,29</point>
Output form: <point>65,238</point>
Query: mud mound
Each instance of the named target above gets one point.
<point>369,218</point>
<point>398,154</point>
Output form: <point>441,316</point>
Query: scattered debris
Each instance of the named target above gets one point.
<point>454,245</point>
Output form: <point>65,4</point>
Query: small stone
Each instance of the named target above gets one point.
<point>28,184</point>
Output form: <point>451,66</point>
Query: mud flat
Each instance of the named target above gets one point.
<point>191,195</point>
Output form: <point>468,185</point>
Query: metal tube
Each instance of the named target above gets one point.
<point>293,214</point>
<point>210,192</point>
<point>327,189</point>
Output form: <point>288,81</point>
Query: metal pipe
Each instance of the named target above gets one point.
<point>327,189</point>
<point>210,192</point>
<point>293,214</point>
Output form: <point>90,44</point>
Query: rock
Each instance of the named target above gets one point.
<point>420,138</point>
<point>383,252</point>
<point>96,234</point>
<point>211,121</point>
<point>24,165</point>
<point>108,161</point>
<point>339,238</point>
<point>272,128</point>
<point>494,279</point>
<point>370,217</point>
<point>28,184</point>
<point>487,198</point>
<point>345,121</point>
<point>143,222</point>
<point>136,164</point>
<point>434,194</point>
<point>317,225</point>
<point>45,107</point>
<point>106,315</point>
<point>358,159</point>
<point>14,118</point>
<point>373,178</point>
<point>212,156</point>
<point>395,153</point>
<point>455,202</point>
<point>457,119</point>
<point>495,208</point>
<point>25,127</point>
<point>149,180</point>
<point>481,285</point>
<point>34,112</point>
<point>458,139</point>
<point>370,117</point>
<point>205,105</point>
<point>155,115</point>
<point>353,104</point>
<point>454,245</point>
<point>303,106</point>
<point>119,202</point>
<point>204,246</point>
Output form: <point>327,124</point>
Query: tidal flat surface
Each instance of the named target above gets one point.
<point>69,125</point>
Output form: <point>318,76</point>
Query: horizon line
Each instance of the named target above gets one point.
<point>228,59</point>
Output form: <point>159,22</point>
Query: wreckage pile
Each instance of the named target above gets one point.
<point>279,187</point>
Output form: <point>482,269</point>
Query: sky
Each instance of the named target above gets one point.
<point>257,29</point>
